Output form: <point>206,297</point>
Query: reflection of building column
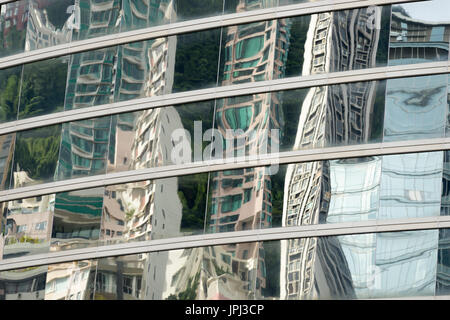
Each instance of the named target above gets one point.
<point>148,209</point>
<point>242,199</point>
<point>336,41</point>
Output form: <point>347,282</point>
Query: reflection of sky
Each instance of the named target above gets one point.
<point>433,11</point>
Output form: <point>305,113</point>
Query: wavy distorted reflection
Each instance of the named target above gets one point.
<point>364,266</point>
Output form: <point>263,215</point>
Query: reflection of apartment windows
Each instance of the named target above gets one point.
<point>128,284</point>
<point>231,203</point>
<point>41,226</point>
<point>22,228</point>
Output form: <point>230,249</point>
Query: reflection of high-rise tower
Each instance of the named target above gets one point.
<point>41,32</point>
<point>148,209</point>
<point>242,199</point>
<point>330,115</point>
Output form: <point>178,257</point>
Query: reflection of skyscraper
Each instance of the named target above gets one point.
<point>148,209</point>
<point>330,115</point>
<point>242,199</point>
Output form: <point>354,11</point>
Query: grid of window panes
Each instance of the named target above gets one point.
<point>375,188</point>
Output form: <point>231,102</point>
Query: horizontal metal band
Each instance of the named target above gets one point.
<point>273,234</point>
<point>372,74</point>
<point>190,26</point>
<point>331,153</point>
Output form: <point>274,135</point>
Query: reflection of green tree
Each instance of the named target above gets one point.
<point>37,151</point>
<point>13,42</point>
<point>191,291</point>
<point>272,261</point>
<point>9,93</point>
<point>277,196</point>
<point>196,60</point>
<point>292,102</point>
<point>198,8</point>
<point>43,88</point>
<point>192,194</point>
<point>299,30</point>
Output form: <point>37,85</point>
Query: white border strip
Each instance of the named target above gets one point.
<point>343,152</point>
<point>372,74</point>
<point>273,234</point>
<point>191,26</point>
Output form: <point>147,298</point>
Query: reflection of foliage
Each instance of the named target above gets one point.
<point>56,12</point>
<point>129,214</point>
<point>12,43</point>
<point>43,88</point>
<point>219,270</point>
<point>192,194</point>
<point>196,60</point>
<point>198,8</point>
<point>37,151</point>
<point>292,101</point>
<point>9,93</point>
<point>272,261</point>
<point>191,291</point>
<point>299,30</point>
<point>277,196</point>
<point>22,239</point>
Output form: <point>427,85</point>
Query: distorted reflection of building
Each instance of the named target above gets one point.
<point>330,115</point>
<point>26,222</point>
<point>420,103</point>
<point>76,221</point>
<point>41,31</point>
<point>13,24</point>
<point>70,281</point>
<point>242,199</point>
<point>23,284</point>
<point>7,143</point>
<point>415,40</point>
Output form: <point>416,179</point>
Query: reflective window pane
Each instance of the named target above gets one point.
<point>7,143</point>
<point>77,219</point>
<point>154,209</point>
<point>14,19</point>
<point>420,32</point>
<point>71,280</point>
<point>43,87</point>
<point>36,156</point>
<point>195,9</point>
<point>365,266</point>
<point>232,6</point>
<point>84,148</point>
<point>10,80</point>
<point>27,225</point>
<point>443,267</point>
<point>196,60</point>
<point>23,284</point>
<point>90,78</point>
<point>91,19</point>
<point>335,191</point>
<point>160,136</point>
<point>49,23</point>
<point>416,108</point>
<point>138,14</point>
<point>121,278</point>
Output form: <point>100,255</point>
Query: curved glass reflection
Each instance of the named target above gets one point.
<point>364,266</point>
